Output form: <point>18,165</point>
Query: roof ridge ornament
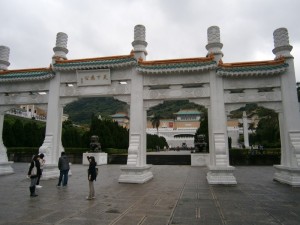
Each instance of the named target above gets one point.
<point>214,45</point>
<point>281,43</point>
<point>4,57</point>
<point>60,49</point>
<point>139,44</point>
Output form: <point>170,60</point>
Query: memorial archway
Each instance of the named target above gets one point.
<point>205,81</point>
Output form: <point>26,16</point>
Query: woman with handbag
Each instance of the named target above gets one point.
<point>33,173</point>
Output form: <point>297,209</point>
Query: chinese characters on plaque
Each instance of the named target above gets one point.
<point>93,77</point>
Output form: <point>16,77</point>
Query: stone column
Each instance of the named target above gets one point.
<point>52,146</point>
<point>136,170</point>
<point>4,57</point>
<point>5,165</point>
<point>219,171</point>
<point>245,130</point>
<point>289,169</point>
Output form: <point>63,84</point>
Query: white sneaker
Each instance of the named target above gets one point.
<point>38,186</point>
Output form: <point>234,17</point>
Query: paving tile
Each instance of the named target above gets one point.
<point>176,195</point>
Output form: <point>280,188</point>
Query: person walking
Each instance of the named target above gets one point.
<point>64,167</point>
<point>42,162</point>
<point>33,173</point>
<point>92,174</point>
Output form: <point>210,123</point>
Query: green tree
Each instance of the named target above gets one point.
<point>19,134</point>
<point>8,134</point>
<point>31,135</point>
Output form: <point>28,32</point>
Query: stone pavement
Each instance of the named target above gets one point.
<point>176,195</point>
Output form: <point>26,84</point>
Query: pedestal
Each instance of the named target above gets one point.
<point>200,159</point>
<point>50,171</point>
<point>287,175</point>
<point>221,175</point>
<point>100,157</point>
<point>137,175</point>
<point>5,168</point>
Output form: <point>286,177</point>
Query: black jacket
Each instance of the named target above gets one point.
<point>63,163</point>
<point>32,164</point>
<point>92,171</point>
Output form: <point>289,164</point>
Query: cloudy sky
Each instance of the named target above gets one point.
<point>174,28</point>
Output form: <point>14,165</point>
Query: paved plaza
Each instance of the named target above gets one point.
<point>176,195</point>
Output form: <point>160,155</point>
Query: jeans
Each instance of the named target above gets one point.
<point>63,174</point>
<point>33,181</point>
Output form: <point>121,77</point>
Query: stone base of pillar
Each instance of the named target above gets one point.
<point>134,174</point>
<point>287,175</point>
<point>221,175</point>
<point>52,172</point>
<point>5,168</point>
<point>100,157</point>
<point>200,159</point>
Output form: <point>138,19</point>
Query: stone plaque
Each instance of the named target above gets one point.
<point>93,77</point>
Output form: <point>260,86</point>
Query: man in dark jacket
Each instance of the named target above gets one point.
<point>64,167</point>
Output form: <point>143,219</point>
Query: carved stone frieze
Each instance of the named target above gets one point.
<point>250,82</point>
<point>254,97</point>
<point>169,79</point>
<point>177,93</point>
<point>23,99</point>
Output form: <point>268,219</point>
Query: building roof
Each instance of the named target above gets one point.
<point>256,68</point>
<point>26,74</point>
<point>119,115</point>
<point>177,65</point>
<point>188,112</point>
<point>96,63</point>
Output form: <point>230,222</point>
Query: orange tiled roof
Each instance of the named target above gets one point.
<point>253,63</point>
<point>31,70</point>
<point>175,61</point>
<point>95,59</point>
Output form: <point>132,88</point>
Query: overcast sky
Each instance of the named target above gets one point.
<point>174,28</point>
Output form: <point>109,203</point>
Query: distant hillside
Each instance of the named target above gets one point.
<point>81,111</point>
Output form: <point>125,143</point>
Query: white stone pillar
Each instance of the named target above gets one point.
<point>5,165</point>
<point>136,170</point>
<point>289,169</point>
<point>219,171</point>
<point>52,142</point>
<point>245,130</point>
<point>52,146</point>
<point>4,57</point>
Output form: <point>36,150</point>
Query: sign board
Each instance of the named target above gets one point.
<point>93,77</point>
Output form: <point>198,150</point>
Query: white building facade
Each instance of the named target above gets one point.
<point>220,87</point>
